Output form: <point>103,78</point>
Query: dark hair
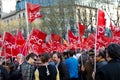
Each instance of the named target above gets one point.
<point>65,54</point>
<point>59,55</point>
<point>30,55</point>
<point>113,50</point>
<point>44,57</point>
<point>102,54</point>
<point>71,52</point>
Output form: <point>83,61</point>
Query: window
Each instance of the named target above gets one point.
<point>24,15</point>
<point>19,16</point>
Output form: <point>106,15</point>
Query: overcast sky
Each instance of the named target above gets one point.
<point>8,5</point>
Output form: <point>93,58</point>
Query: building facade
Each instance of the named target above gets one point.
<point>21,3</point>
<point>65,14</point>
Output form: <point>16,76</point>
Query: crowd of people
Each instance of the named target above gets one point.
<point>69,65</point>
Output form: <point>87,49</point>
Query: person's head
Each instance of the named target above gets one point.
<point>57,57</point>
<point>113,51</point>
<point>44,57</point>
<point>71,53</point>
<point>65,54</point>
<point>20,58</point>
<point>91,56</point>
<point>31,58</point>
<point>100,56</point>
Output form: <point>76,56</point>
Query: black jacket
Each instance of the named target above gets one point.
<point>43,72</point>
<point>3,73</point>
<point>63,71</point>
<point>111,71</point>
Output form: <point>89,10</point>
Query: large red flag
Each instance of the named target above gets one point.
<point>56,41</point>
<point>81,29</point>
<point>72,38</point>
<point>36,40</point>
<point>101,18</point>
<point>37,37</point>
<point>9,44</point>
<point>33,11</point>
<point>9,39</point>
<point>19,38</point>
<point>101,22</point>
<point>20,41</point>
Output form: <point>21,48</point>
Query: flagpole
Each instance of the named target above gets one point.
<point>95,47</point>
<point>27,28</point>
<point>27,23</point>
<point>80,37</point>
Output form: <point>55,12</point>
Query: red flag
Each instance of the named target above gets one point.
<point>71,37</point>
<point>36,39</point>
<point>101,18</point>
<point>101,22</point>
<point>9,44</point>
<point>81,29</point>
<point>33,11</point>
<point>9,39</point>
<point>56,37</point>
<point>19,38</point>
<point>56,41</point>
<point>20,41</point>
<point>25,49</point>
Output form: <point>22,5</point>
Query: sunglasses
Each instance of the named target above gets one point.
<point>35,59</point>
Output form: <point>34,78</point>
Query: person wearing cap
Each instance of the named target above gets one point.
<point>110,71</point>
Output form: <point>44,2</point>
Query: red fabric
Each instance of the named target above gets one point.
<point>56,42</point>
<point>19,38</point>
<point>101,18</point>
<point>9,39</point>
<point>33,11</point>
<point>47,47</point>
<point>56,37</point>
<point>36,39</point>
<point>72,38</point>
<point>116,36</point>
<point>9,44</point>
<point>100,30</point>
<point>101,22</point>
<point>25,49</point>
<point>81,29</point>
<point>20,42</point>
